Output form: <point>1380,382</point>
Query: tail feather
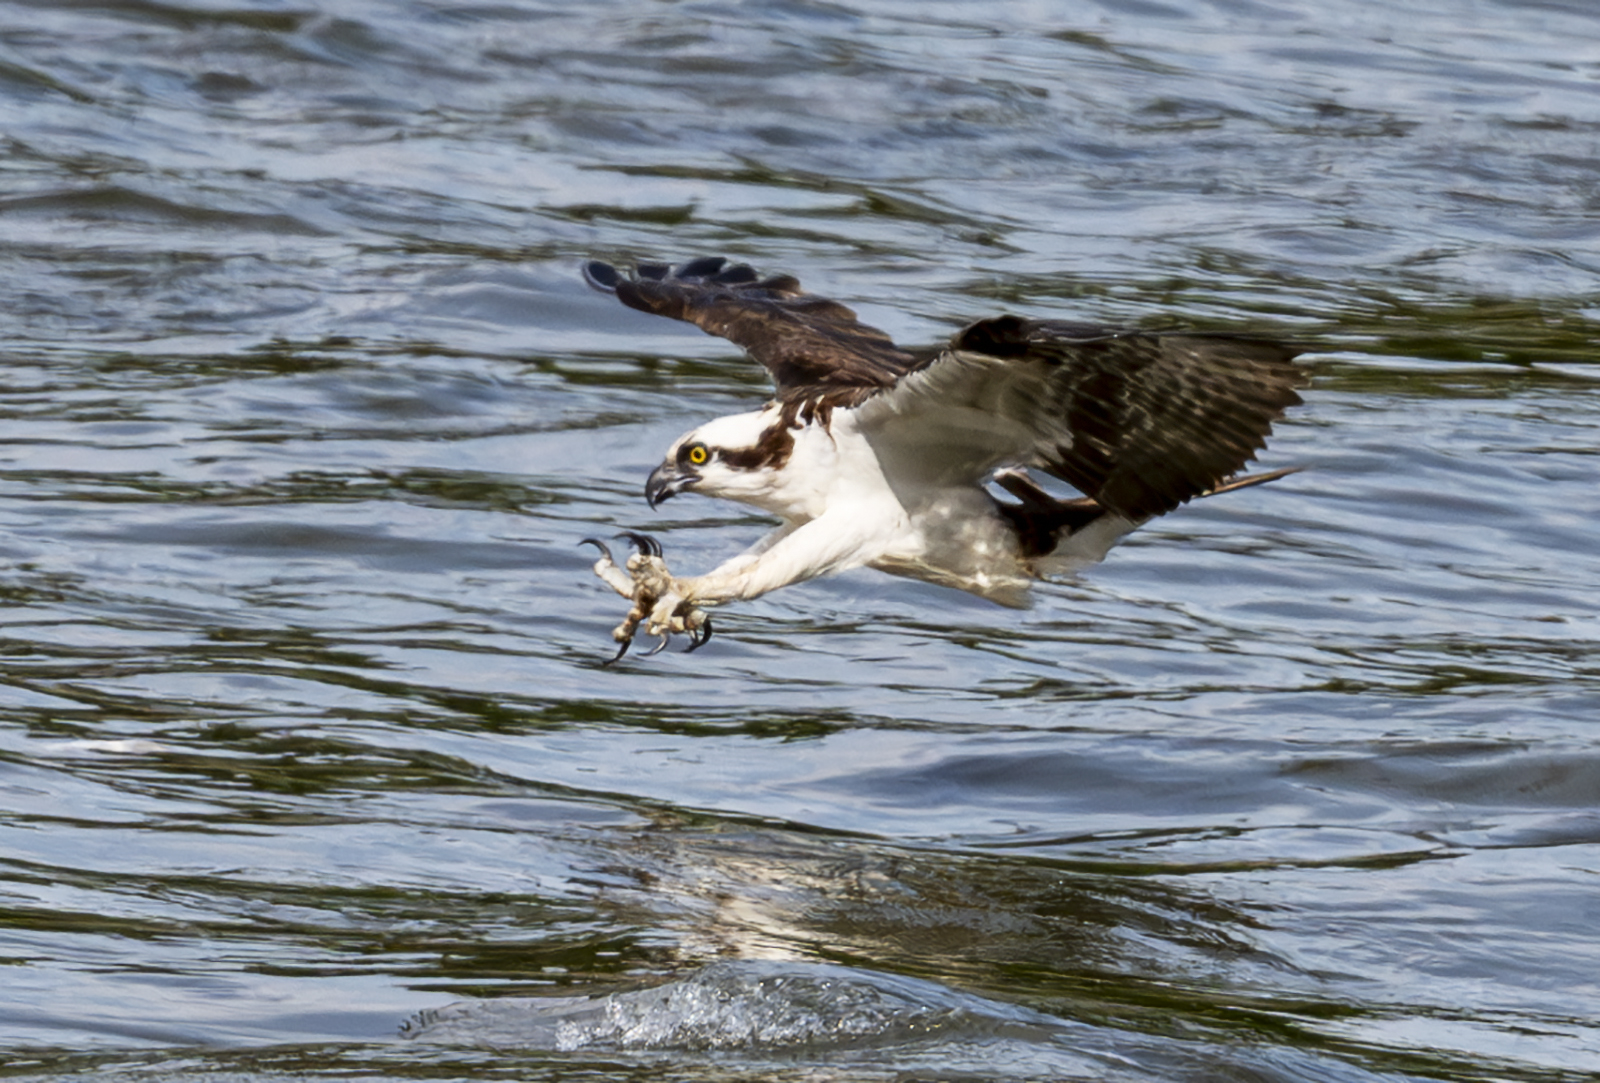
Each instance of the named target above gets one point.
<point>1244,481</point>
<point>1044,525</point>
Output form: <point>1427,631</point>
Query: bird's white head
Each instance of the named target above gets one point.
<point>735,458</point>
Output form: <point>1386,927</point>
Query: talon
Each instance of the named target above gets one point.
<point>606,568</point>
<point>605,549</point>
<point>648,585</point>
<point>648,546</point>
<point>699,638</point>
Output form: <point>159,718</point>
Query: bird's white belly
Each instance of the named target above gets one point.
<point>959,541</point>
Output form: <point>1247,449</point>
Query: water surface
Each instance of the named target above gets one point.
<point>305,408</point>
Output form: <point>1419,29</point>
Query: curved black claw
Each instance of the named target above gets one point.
<point>699,638</point>
<point>602,276</point>
<point>647,546</point>
<point>605,549</point>
<point>626,643</point>
<point>659,647</point>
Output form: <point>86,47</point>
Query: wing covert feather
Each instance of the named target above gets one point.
<point>1140,422</point>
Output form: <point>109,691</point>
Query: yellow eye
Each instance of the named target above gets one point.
<point>698,455</point>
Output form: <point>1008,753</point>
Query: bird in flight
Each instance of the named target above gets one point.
<point>876,455</point>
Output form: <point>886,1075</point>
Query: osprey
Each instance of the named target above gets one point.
<point>874,455</point>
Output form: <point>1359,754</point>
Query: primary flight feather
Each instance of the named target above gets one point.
<point>875,455</point>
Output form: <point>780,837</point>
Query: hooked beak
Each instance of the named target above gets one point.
<point>667,481</point>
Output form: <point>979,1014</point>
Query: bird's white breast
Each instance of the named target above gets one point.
<point>830,467</point>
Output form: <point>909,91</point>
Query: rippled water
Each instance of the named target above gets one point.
<point>306,408</point>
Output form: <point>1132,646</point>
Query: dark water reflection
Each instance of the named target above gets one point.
<point>305,409</point>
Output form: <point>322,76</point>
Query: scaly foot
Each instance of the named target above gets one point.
<point>656,596</point>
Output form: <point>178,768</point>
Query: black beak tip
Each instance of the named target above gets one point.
<point>664,484</point>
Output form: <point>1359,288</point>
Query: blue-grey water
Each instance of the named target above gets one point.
<point>304,409</point>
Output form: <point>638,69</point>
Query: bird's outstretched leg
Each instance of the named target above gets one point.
<point>655,594</point>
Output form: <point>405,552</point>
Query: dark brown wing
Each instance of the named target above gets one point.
<point>813,347</point>
<point>1139,422</point>
<point>1151,419</point>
